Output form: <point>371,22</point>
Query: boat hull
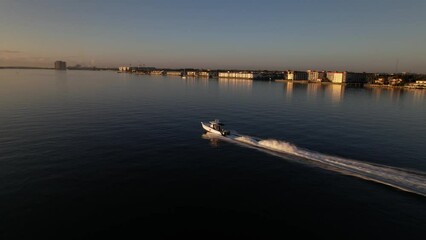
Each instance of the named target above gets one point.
<point>207,128</point>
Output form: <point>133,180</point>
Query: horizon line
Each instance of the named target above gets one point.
<point>209,69</point>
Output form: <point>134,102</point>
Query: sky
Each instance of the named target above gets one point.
<point>361,35</point>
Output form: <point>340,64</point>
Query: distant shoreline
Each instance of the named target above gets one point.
<point>69,68</point>
<point>9,67</point>
<point>364,85</point>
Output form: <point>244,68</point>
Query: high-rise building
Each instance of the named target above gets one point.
<point>315,76</point>
<point>60,65</point>
<point>297,75</point>
<point>346,77</point>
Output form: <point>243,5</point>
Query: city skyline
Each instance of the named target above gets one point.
<point>379,36</point>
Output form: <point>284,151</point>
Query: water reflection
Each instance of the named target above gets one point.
<point>336,92</point>
<point>233,84</point>
<point>61,82</point>
<point>203,81</point>
<point>376,92</point>
<point>418,95</point>
<point>189,80</point>
<point>214,141</point>
<point>313,89</point>
<point>192,81</point>
<point>289,89</point>
<point>397,94</point>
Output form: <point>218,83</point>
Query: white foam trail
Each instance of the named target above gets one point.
<point>246,139</point>
<point>406,180</point>
<point>278,146</point>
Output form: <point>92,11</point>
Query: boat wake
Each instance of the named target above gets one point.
<point>403,179</point>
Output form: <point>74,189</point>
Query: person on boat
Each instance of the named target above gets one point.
<point>216,127</point>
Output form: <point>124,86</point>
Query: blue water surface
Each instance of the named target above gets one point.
<point>85,154</point>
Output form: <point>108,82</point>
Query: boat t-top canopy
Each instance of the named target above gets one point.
<point>216,121</point>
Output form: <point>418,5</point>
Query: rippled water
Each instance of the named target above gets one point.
<point>87,154</point>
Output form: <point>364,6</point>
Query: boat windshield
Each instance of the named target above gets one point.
<point>216,126</point>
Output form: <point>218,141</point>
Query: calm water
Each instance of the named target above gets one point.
<point>86,154</point>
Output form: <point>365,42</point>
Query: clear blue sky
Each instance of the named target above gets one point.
<point>362,35</point>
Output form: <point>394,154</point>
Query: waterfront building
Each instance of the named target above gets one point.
<point>381,81</point>
<point>352,77</point>
<point>60,65</point>
<point>251,75</point>
<point>123,69</point>
<point>156,72</point>
<point>336,77</point>
<point>208,74</point>
<point>136,69</point>
<point>191,74</point>
<point>141,69</point>
<point>174,73</point>
<point>346,77</point>
<point>420,84</point>
<point>204,74</point>
<point>396,81</point>
<point>297,75</point>
<point>315,76</point>
<point>241,75</point>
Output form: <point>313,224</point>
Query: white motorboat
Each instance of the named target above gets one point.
<point>215,127</point>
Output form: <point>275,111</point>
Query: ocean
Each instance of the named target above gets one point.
<point>87,154</point>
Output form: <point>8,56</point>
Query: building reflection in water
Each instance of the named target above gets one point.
<point>387,93</point>
<point>396,94</point>
<point>336,92</point>
<point>204,81</point>
<point>376,92</point>
<point>235,84</point>
<point>192,81</point>
<point>289,89</point>
<point>418,95</point>
<point>61,81</point>
<point>189,80</point>
<point>313,89</point>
